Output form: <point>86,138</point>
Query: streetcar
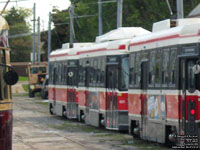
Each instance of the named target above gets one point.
<point>36,76</point>
<point>103,79</point>
<point>164,85</point>
<point>63,81</point>
<point>91,82</point>
<point>8,77</point>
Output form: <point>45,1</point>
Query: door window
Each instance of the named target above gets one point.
<point>124,78</point>
<point>112,77</point>
<point>191,76</point>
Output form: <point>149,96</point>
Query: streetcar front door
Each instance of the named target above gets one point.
<point>72,108</point>
<point>144,84</point>
<point>87,82</point>
<point>111,96</point>
<point>189,97</point>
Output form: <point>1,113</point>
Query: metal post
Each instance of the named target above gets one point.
<point>100,17</point>
<point>180,13</point>
<point>34,7</point>
<point>119,13</point>
<point>71,12</point>
<point>49,40</point>
<point>39,40</point>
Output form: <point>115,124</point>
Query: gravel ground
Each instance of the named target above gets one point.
<point>35,129</point>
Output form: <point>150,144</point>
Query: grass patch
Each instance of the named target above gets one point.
<point>142,144</point>
<point>43,103</point>
<point>76,127</point>
<point>21,78</point>
<point>25,86</point>
<point>20,94</point>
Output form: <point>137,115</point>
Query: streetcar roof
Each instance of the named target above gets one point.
<point>169,36</point>
<point>3,24</point>
<point>122,33</point>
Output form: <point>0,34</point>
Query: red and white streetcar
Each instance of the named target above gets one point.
<point>164,98</point>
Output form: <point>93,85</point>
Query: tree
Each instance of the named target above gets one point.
<point>136,13</point>
<point>20,46</point>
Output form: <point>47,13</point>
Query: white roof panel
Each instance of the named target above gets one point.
<point>122,33</point>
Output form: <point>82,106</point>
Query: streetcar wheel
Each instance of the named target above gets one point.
<point>31,93</point>
<point>51,109</point>
<point>43,94</point>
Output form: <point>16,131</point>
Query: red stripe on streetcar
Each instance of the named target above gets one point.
<point>121,47</point>
<point>164,38</point>
<point>155,40</point>
<point>95,50</point>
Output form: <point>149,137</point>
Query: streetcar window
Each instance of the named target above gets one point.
<point>42,69</point>
<point>50,73</point>
<point>34,70</point>
<point>3,85</point>
<point>132,66</point>
<point>137,70</point>
<point>172,68</point>
<point>124,78</point>
<point>165,66</point>
<point>191,76</point>
<point>152,67</point>
<point>157,69</point>
<point>102,74</point>
<point>65,73</point>
<point>81,74</point>
<point>72,76</point>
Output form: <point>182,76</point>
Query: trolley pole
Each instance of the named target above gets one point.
<point>33,58</point>
<point>119,13</point>
<point>71,12</point>
<point>39,40</point>
<point>100,17</point>
<point>180,13</point>
<point>49,40</point>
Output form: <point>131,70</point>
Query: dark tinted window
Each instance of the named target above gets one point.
<point>34,70</point>
<point>172,68</point>
<point>132,71</point>
<point>158,69</point>
<point>124,75</point>
<point>165,68</point>
<point>152,68</point>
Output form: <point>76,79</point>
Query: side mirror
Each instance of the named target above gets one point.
<point>196,69</point>
<point>11,77</point>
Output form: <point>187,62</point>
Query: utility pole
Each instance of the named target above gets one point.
<point>71,12</point>
<point>180,13</point>
<point>33,58</point>
<point>100,17</point>
<point>119,13</point>
<point>49,40</point>
<point>39,40</point>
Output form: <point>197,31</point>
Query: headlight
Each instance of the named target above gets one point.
<point>32,87</point>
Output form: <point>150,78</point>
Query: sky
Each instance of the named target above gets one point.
<point>43,7</point>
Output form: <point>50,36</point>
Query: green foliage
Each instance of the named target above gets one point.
<point>25,86</point>
<point>21,46</point>
<point>136,13</point>
<point>21,78</point>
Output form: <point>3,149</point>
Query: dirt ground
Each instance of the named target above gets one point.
<point>35,129</point>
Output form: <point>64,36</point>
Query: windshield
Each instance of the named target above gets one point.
<point>42,69</point>
<point>33,70</point>
<point>124,79</point>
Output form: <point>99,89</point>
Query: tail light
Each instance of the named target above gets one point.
<point>192,111</point>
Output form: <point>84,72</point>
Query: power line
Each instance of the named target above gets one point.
<point>19,35</point>
<point>103,2</point>
<point>14,1</point>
